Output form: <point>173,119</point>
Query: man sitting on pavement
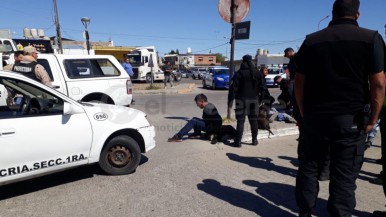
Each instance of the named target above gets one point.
<point>210,123</point>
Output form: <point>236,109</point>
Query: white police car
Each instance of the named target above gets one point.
<point>43,131</point>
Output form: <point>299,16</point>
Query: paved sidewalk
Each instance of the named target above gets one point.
<point>179,88</point>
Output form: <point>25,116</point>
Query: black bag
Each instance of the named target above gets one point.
<point>228,131</point>
<point>263,120</point>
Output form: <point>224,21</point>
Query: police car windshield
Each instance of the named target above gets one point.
<point>274,71</point>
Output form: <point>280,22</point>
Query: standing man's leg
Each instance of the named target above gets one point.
<point>166,80</point>
<point>347,152</point>
<point>171,80</point>
<point>253,106</point>
<point>240,117</point>
<point>309,149</point>
<point>382,126</point>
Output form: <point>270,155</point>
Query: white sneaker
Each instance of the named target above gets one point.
<point>166,87</point>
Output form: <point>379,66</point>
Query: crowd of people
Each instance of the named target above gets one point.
<point>335,91</point>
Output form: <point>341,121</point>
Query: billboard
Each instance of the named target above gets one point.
<point>43,46</point>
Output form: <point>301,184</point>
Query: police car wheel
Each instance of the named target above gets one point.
<point>120,156</point>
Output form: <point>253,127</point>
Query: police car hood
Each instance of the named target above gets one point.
<point>119,115</point>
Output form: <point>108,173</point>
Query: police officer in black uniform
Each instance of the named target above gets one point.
<point>245,87</point>
<point>339,78</point>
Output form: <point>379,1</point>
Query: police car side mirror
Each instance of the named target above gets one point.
<point>67,108</point>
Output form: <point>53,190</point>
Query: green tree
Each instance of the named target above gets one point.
<point>219,58</point>
<point>172,52</point>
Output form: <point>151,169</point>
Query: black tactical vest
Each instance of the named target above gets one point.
<point>27,69</point>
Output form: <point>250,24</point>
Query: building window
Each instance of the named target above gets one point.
<point>200,59</point>
<point>210,59</point>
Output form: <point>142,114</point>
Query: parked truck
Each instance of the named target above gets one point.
<point>89,78</point>
<point>7,50</point>
<point>144,61</point>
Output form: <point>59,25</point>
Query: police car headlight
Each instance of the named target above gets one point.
<point>220,79</point>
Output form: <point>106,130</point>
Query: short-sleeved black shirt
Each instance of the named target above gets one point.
<point>336,63</point>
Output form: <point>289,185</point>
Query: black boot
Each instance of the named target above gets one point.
<point>237,143</point>
<point>254,142</point>
<point>214,139</point>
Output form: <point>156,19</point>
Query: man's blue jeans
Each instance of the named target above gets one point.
<point>196,124</point>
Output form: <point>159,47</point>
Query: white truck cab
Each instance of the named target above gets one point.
<point>43,131</point>
<point>144,63</point>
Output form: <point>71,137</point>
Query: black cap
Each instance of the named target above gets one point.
<point>288,50</point>
<point>247,58</point>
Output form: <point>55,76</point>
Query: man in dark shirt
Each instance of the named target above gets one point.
<point>245,87</point>
<point>211,122</point>
<point>285,96</point>
<point>167,68</point>
<point>339,78</point>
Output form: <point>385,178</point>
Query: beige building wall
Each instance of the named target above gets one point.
<point>205,59</point>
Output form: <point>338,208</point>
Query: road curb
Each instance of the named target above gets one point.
<point>263,134</point>
<point>175,90</point>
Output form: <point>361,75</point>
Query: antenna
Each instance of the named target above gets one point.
<point>242,9</point>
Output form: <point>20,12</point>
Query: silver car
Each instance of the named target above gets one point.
<point>198,73</point>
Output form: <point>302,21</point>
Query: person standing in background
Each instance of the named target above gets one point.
<point>167,68</point>
<point>127,66</point>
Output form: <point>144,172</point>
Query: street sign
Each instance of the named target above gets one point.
<point>242,9</point>
<point>242,30</point>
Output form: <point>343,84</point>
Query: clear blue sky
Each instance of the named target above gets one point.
<point>179,24</point>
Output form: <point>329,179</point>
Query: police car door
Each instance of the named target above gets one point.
<point>35,136</point>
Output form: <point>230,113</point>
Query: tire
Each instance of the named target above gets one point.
<point>194,77</point>
<point>120,156</point>
<point>204,84</point>
<point>148,78</point>
<point>213,86</point>
<point>177,77</point>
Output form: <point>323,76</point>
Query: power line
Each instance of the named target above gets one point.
<point>210,48</point>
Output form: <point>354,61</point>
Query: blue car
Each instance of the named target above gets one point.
<point>217,77</point>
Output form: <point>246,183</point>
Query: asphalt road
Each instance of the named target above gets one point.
<point>191,178</point>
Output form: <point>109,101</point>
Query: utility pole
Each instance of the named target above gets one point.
<point>231,63</point>
<point>58,34</point>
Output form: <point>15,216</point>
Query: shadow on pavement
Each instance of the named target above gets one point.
<point>262,163</point>
<point>178,118</point>
<point>370,160</point>
<point>292,160</point>
<point>53,180</point>
<point>241,198</point>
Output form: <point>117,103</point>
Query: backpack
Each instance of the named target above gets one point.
<point>263,120</point>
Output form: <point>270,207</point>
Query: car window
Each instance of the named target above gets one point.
<point>89,68</point>
<point>221,71</point>
<point>274,71</point>
<point>27,100</point>
<point>46,65</point>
